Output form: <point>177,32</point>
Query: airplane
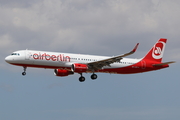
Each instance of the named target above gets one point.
<point>65,64</point>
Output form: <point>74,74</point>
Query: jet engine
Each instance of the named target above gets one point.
<point>79,68</point>
<point>62,73</point>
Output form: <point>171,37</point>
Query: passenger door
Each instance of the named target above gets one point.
<point>27,55</point>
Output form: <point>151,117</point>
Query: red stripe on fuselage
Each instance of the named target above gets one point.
<point>132,69</point>
<point>41,66</point>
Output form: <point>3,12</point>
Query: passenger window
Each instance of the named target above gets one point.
<point>15,54</point>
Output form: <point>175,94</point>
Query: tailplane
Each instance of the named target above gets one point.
<point>157,51</point>
<point>162,64</point>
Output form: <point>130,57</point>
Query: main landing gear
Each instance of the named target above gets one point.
<point>24,73</point>
<point>82,78</point>
<point>93,76</point>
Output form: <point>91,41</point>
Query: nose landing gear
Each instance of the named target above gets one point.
<point>24,73</point>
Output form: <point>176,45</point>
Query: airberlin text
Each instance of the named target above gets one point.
<point>45,56</point>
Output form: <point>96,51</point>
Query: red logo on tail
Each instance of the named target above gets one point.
<point>158,50</point>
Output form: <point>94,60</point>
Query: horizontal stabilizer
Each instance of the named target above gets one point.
<point>166,63</point>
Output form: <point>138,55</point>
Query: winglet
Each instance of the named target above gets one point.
<point>135,48</point>
<point>133,51</point>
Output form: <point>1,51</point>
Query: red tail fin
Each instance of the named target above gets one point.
<point>156,53</point>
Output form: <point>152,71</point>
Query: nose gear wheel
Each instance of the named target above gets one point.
<point>24,73</point>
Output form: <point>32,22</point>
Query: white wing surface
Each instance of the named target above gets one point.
<point>107,62</point>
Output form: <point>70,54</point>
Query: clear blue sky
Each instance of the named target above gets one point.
<point>100,27</point>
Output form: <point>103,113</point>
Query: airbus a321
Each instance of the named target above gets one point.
<point>65,64</point>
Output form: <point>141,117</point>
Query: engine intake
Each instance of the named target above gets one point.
<point>62,73</point>
<point>79,68</point>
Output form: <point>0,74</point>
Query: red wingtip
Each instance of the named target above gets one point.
<point>135,48</point>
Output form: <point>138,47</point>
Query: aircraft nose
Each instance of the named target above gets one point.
<point>7,59</point>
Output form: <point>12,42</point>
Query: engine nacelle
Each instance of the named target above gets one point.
<point>62,73</point>
<point>79,68</point>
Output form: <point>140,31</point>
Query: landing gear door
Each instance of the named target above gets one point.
<point>27,55</point>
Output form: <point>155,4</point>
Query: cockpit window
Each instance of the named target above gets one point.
<point>15,54</point>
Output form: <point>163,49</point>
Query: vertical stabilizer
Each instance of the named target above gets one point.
<point>157,51</point>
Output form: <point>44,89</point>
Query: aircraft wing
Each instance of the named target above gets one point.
<point>106,62</point>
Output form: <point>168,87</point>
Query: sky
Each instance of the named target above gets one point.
<point>98,27</point>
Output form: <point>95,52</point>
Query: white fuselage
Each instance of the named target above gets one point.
<point>55,60</point>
